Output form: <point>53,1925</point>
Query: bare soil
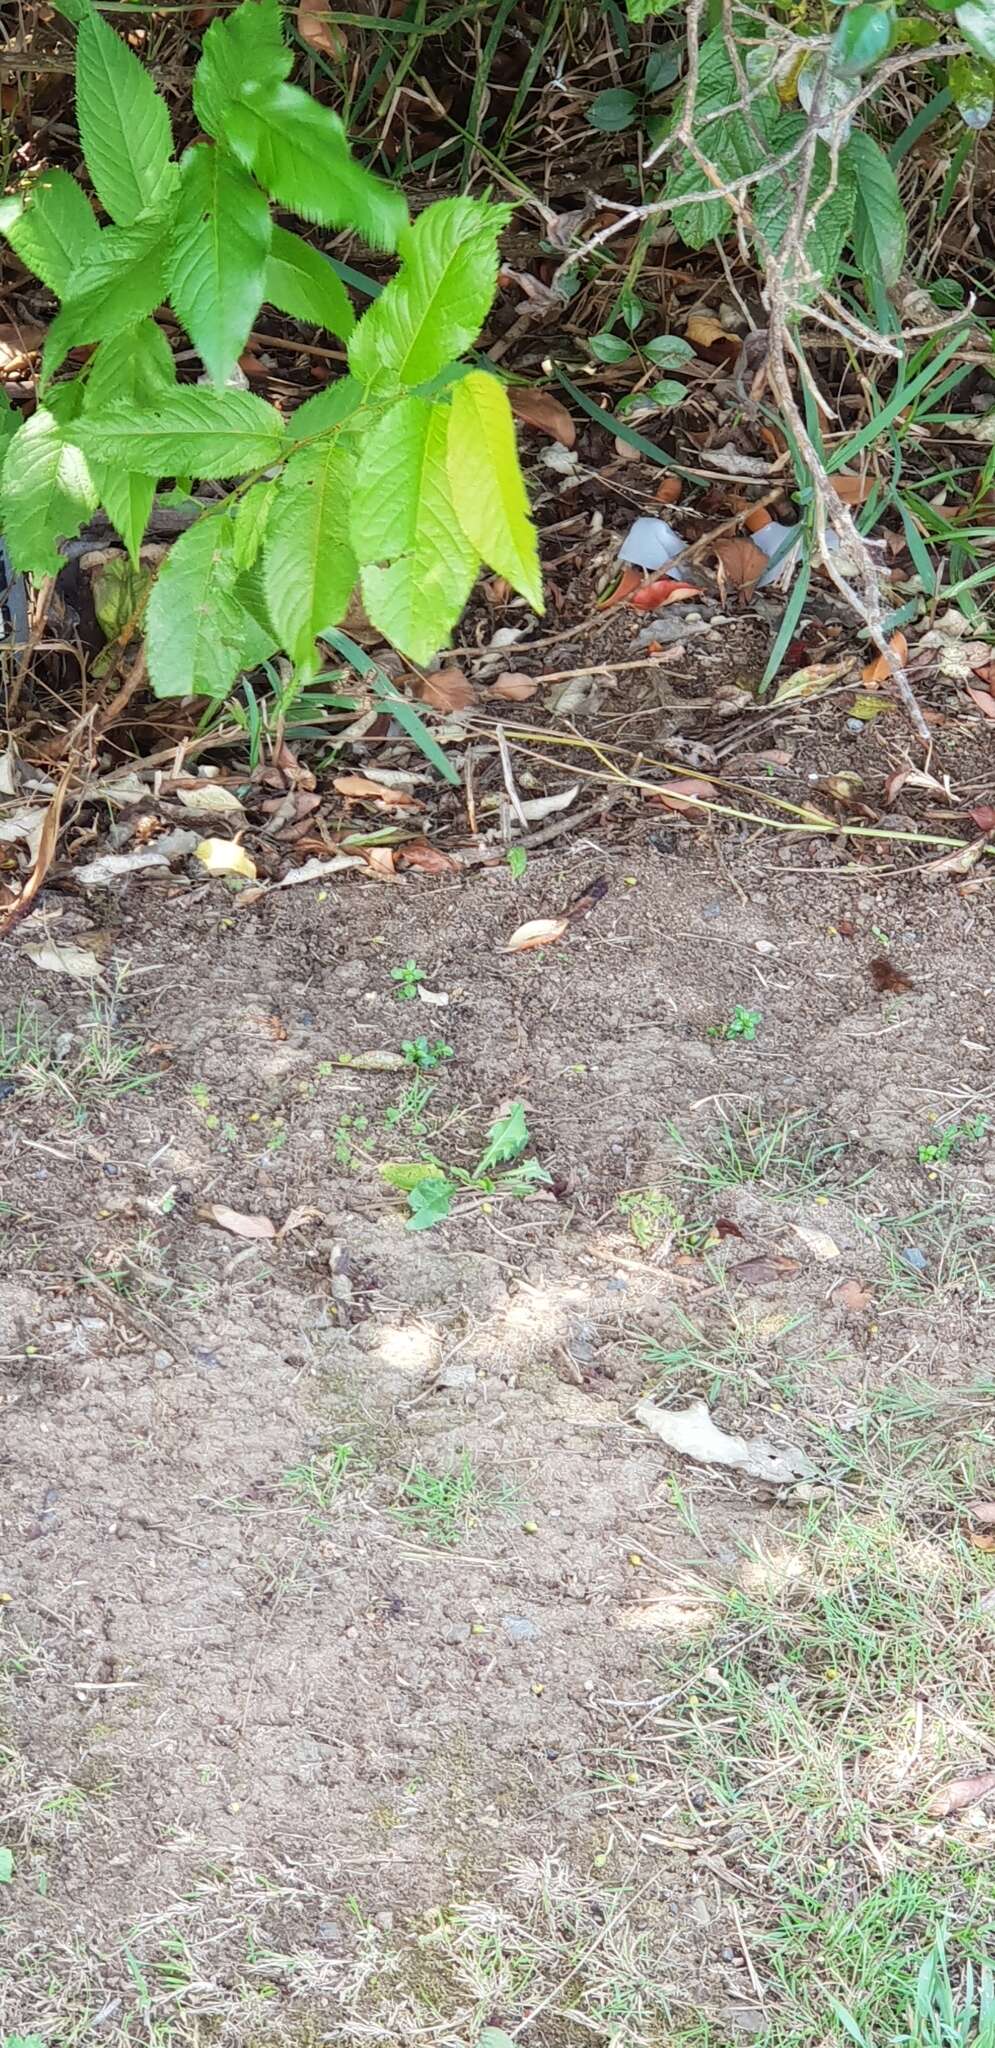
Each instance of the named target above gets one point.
<point>261,1744</point>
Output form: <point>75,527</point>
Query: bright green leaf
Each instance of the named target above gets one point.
<point>507,1139</point>
<point>309,568</point>
<point>189,432</point>
<point>880,229</point>
<point>46,494</point>
<point>430,1202</point>
<point>613,110</point>
<point>643,10</point>
<point>610,348</point>
<point>667,392</point>
<point>330,407</point>
<point>436,305</point>
<point>971,83</point>
<point>52,228</point>
<point>10,420</point>
<point>300,281</point>
<point>217,263</point>
<point>135,365</point>
<point>976,21</point>
<point>198,635</point>
<point>123,125</point>
<point>6,1865</point>
<point>121,278</point>
<point>250,517</point>
<point>487,486</point>
<point>862,39</point>
<point>298,151</point>
<point>403,516</point>
<point>407,1173</point>
<point>668,351</point>
<point>242,48</point>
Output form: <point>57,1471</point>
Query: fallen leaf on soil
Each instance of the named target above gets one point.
<point>692,1433</point>
<point>513,688</point>
<point>984,817</point>
<point>207,798</point>
<point>595,892</point>
<point>683,795</point>
<point>983,699</point>
<point>44,853</point>
<point>113,867</point>
<point>24,824</point>
<point>959,863</point>
<point>380,861</point>
<point>741,561</point>
<point>620,590</point>
<point>960,1792</point>
<point>436,998</point>
<point>915,778</point>
<point>538,807</point>
<point>575,693</point>
<point>225,857</point>
<point>651,597</point>
<point>315,29</point>
<point>760,1271</point>
<point>540,931</point>
<point>362,789</point>
<point>76,961</point>
<point>373,1062</point>
<point>878,671</point>
<point>669,490</point>
<point>703,331</point>
<point>540,409</point>
<point>417,853</point>
<point>234,1220</point>
<point>725,1227</point>
<point>983,1511</point>
<point>810,681</point>
<point>888,980</point>
<point>852,490</point>
<point>854,1296</point>
<point>316,870</point>
<point>495,2037</point>
<point>298,1217</point>
<point>981,1539</point>
<point>446,689</point>
<point>819,1242</point>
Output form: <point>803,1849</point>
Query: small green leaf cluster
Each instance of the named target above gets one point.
<point>431,1187</point>
<point>400,478</point>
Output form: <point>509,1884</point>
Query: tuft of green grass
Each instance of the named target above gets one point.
<point>783,1155</point>
<point>318,1481</point>
<point>77,1071</point>
<point>742,1352</point>
<point>445,1506</point>
<point>944,1251</point>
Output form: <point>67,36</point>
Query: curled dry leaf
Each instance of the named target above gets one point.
<point>983,699</point>
<point>983,1512</point>
<point>17,340</point>
<point>703,331</point>
<point>960,1792</point>
<point>418,853</point>
<point>852,490</point>
<point>540,931</point>
<point>298,1217</point>
<point>888,979</point>
<point>620,590</point>
<point>982,1539</point>
<point>208,799</point>
<point>879,671</point>
<point>446,689</point>
<point>540,409</point>
<point>760,1271</point>
<point>362,789</point>
<point>539,807</point>
<point>692,1434</point>
<point>741,562</point>
<point>651,597</point>
<point>225,857</point>
<point>236,1221</point>
<point>983,815</point>
<point>686,794</point>
<point>315,29</point>
<point>818,1242</point>
<point>854,1296</point>
<point>810,681</point>
<point>380,861</point>
<point>669,490</point>
<point>513,688</point>
<point>76,961</point>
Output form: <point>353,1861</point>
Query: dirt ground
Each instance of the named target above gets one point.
<point>337,1569</point>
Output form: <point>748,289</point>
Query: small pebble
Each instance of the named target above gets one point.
<point>519,1628</point>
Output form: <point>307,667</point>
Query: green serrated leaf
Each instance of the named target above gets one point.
<point>120,279</point>
<point>430,1202</point>
<point>309,569</point>
<point>300,281</point>
<point>217,262</point>
<point>51,227</point>
<point>250,518</point>
<point>47,493</point>
<point>123,125</point>
<point>645,10</point>
<point>508,1137</point>
<point>331,407</point>
<point>298,151</point>
<point>199,636</point>
<point>10,420</point>
<point>242,48</point>
<point>135,365</point>
<point>417,566</point>
<point>976,21</point>
<point>880,229</point>
<point>487,486</point>
<point>407,1173</point>
<point>189,432</point>
<point>436,305</point>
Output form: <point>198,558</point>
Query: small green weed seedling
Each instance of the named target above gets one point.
<point>419,1053</point>
<point>431,1186</point>
<point>940,1150</point>
<point>318,1482</point>
<point>653,1219</point>
<point>410,1109</point>
<point>742,1024</point>
<point>407,979</point>
<point>444,1507</point>
<point>349,1145</point>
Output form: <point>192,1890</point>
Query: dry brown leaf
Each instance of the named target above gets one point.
<point>981,1539</point>
<point>315,29</point>
<point>703,331</point>
<point>47,841</point>
<point>362,789</point>
<point>983,1511</point>
<point>960,1792</point>
<point>540,409</point>
<point>513,688</point>
<point>741,562</point>
<point>541,931</point>
<point>853,490</point>
<point>446,689</point>
<point>887,978</point>
<point>685,794</point>
<point>381,860</point>
<point>853,1295</point>
<point>77,961</point>
<point>234,1220</point>
<point>669,490</point>
<point>18,339</point>
<point>298,1217</point>
<point>984,701</point>
<point>879,671</point>
<point>419,853</point>
<point>760,1271</point>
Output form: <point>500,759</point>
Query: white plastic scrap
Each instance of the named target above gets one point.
<point>650,544</point>
<point>692,1433</point>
